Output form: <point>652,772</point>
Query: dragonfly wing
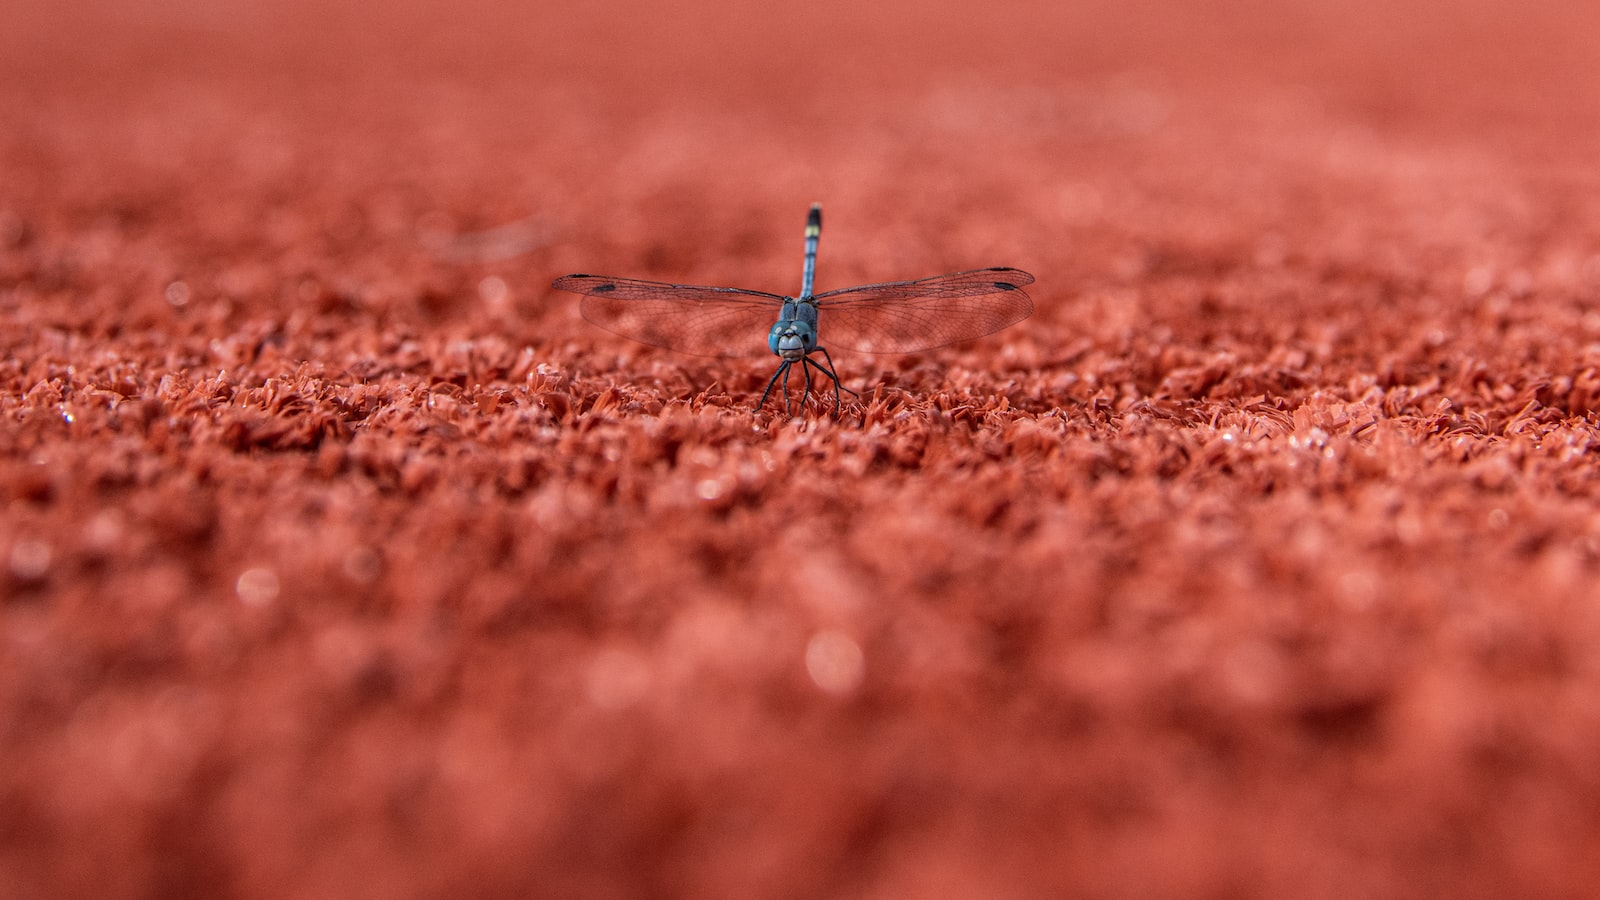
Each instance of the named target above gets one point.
<point>688,318</point>
<point>905,316</point>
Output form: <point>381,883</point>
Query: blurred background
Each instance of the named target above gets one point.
<point>352,561</point>
<point>689,138</point>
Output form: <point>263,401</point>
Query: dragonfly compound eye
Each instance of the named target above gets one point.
<point>791,339</point>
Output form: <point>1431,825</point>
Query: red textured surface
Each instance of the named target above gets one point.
<point>340,557</point>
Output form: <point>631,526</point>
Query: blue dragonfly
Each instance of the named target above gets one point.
<point>894,317</point>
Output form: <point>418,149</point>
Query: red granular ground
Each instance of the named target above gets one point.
<point>340,557</point>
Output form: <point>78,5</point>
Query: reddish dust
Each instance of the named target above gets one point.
<point>341,557</point>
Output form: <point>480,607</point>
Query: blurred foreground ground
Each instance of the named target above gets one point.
<point>341,558</point>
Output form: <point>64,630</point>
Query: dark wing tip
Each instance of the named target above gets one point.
<point>1014,278</point>
<point>584,284</point>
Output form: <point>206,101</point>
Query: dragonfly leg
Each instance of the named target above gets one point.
<point>832,373</point>
<point>783,369</point>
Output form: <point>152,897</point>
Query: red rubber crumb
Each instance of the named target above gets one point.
<point>341,557</point>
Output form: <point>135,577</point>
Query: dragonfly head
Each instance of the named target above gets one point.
<point>792,339</point>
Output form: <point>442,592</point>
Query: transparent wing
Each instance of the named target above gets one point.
<point>705,321</point>
<point>905,316</point>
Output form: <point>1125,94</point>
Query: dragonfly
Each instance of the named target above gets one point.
<point>892,317</point>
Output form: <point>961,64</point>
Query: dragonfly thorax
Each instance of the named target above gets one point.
<point>795,333</point>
